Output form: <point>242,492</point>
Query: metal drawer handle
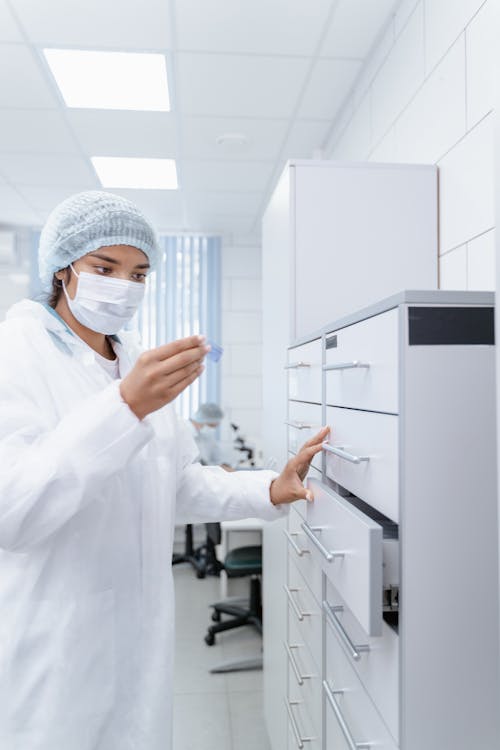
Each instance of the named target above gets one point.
<point>329,555</point>
<point>293,543</point>
<point>299,425</point>
<point>342,722</point>
<point>343,454</point>
<point>295,667</point>
<point>299,739</point>
<point>296,365</point>
<point>355,650</point>
<point>346,365</point>
<point>292,601</point>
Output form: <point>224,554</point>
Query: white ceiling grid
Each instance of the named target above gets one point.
<point>276,71</point>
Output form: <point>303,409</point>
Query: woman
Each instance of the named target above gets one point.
<point>96,469</point>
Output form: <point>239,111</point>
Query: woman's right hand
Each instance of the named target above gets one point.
<point>159,375</point>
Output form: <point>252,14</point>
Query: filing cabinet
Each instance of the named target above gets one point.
<point>391,578</point>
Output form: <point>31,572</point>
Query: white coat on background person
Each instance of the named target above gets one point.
<point>95,470</point>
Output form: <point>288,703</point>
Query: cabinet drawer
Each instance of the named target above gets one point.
<point>304,678</point>
<point>304,372</point>
<point>349,708</point>
<point>361,364</point>
<point>375,661</point>
<point>350,544</point>
<point>305,612</point>
<point>304,554</point>
<point>301,505</point>
<point>304,421</point>
<point>300,733</point>
<point>368,463</point>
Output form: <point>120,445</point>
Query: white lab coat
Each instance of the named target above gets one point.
<point>89,496</point>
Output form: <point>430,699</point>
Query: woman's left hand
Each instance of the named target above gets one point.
<point>289,487</point>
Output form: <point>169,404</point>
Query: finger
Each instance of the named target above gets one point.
<point>318,438</point>
<point>165,351</point>
<point>303,493</point>
<point>179,375</point>
<point>178,361</point>
<point>185,382</point>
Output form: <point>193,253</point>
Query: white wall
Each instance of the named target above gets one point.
<point>241,365</point>
<point>426,96</point>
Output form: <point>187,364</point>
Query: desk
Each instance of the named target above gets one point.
<point>246,524</point>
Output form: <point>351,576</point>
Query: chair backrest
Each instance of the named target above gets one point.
<point>214,532</point>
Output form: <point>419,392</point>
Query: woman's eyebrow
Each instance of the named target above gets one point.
<point>108,259</point>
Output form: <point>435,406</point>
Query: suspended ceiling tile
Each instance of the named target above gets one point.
<point>97,24</point>
<point>199,138</point>
<point>119,133</point>
<point>281,27</point>
<point>50,170</point>
<point>49,132</point>
<point>305,137</point>
<point>355,26</point>
<point>328,87</point>
<point>22,83</point>
<point>239,85</point>
<point>43,199</point>
<point>161,207</point>
<point>9,31</point>
<point>214,175</point>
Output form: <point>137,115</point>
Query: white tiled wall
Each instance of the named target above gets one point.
<point>425,96</point>
<point>241,365</point>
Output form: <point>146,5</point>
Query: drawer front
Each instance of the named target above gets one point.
<point>349,708</point>
<point>304,366</point>
<point>305,612</point>
<point>365,435</point>
<point>377,667</point>
<point>304,678</point>
<point>365,359</point>
<point>304,555</point>
<point>300,734</point>
<point>301,505</point>
<point>304,421</point>
<point>351,547</point>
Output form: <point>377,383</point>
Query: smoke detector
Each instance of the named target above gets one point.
<point>232,141</point>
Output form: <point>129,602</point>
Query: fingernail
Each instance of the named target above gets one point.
<point>309,497</point>
<point>201,339</point>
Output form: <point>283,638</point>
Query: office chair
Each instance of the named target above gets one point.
<point>242,561</point>
<point>202,558</point>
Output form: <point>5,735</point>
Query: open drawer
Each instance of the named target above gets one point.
<point>349,544</point>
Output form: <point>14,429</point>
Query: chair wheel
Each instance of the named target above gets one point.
<point>216,616</point>
<point>210,639</point>
<point>200,574</point>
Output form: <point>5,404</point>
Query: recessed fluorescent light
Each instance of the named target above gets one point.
<point>120,172</point>
<point>110,80</point>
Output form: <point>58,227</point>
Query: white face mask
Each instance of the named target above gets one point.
<point>103,304</point>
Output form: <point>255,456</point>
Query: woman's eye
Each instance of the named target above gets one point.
<point>139,276</point>
<point>102,269</point>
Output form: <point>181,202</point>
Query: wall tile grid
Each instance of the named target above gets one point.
<point>241,365</point>
<point>425,96</point>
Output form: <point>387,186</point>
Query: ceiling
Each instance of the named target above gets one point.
<point>276,71</point>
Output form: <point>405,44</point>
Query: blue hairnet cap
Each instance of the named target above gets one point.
<point>208,413</point>
<point>87,221</point>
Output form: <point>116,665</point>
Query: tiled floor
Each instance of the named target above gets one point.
<point>213,711</point>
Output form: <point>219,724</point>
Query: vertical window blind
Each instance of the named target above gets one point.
<point>182,299</point>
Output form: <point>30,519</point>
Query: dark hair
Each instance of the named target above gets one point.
<point>55,291</point>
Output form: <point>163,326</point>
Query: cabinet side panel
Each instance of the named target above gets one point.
<point>449,587</point>
<point>277,306</point>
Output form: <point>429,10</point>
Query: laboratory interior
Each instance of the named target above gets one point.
<point>248,390</point>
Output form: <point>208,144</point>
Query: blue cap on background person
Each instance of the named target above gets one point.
<point>208,413</point>
<point>89,220</point>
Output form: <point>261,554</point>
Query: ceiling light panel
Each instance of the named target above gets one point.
<point>110,80</point>
<point>144,174</point>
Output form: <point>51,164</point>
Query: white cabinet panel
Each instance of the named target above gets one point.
<point>305,556</point>
<point>305,612</point>
<point>377,667</point>
<point>361,364</point>
<point>372,436</point>
<point>304,372</point>
<point>304,677</point>
<point>349,706</point>
<point>352,557</point>
<point>304,421</point>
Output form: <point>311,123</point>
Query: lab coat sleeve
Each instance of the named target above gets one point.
<point>49,475</point>
<point>208,493</point>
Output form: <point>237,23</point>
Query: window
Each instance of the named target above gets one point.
<point>183,298</point>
